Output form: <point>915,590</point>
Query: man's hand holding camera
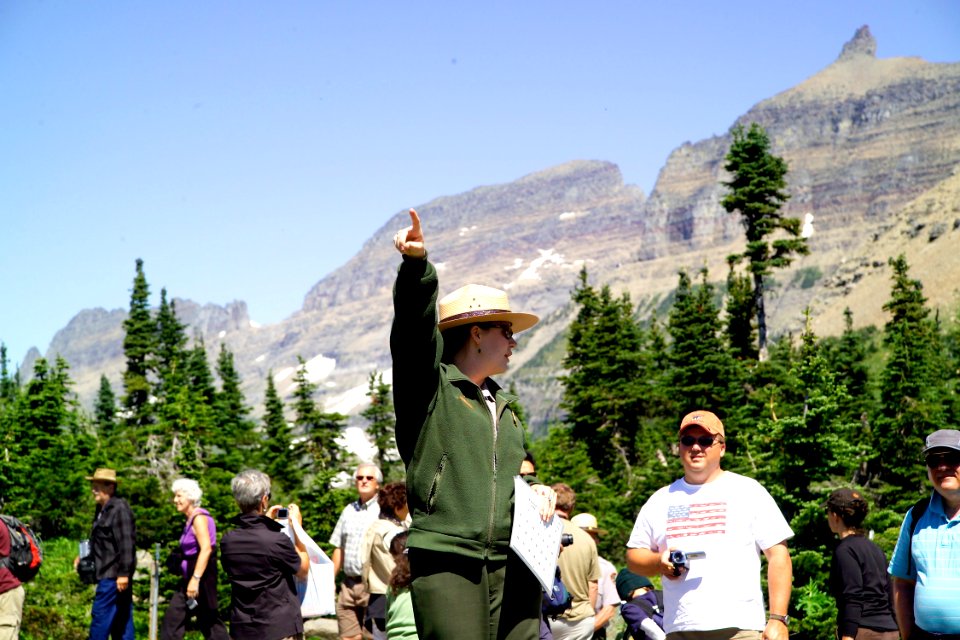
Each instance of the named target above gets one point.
<point>675,562</point>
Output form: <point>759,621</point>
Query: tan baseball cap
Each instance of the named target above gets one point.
<point>705,419</point>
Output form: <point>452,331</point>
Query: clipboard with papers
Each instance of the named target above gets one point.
<point>536,542</point>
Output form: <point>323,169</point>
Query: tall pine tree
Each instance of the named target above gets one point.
<point>234,435</point>
<point>757,190</point>
<point>381,425</point>
<point>278,459</point>
<point>701,370</point>
<point>603,388</point>
<point>139,342</point>
<point>913,388</point>
<point>105,410</point>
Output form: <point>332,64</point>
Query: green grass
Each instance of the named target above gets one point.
<point>57,605</point>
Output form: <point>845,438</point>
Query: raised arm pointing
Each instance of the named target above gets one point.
<point>409,240</point>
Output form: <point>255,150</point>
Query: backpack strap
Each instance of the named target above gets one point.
<point>916,512</point>
<point>648,607</point>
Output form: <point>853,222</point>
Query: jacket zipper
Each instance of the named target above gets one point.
<point>437,475</point>
<point>495,415</point>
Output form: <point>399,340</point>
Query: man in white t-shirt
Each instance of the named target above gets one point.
<point>722,520</point>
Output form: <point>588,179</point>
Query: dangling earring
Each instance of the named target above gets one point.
<point>479,350</point>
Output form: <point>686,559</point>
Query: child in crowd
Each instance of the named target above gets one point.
<point>400,621</point>
<point>642,609</point>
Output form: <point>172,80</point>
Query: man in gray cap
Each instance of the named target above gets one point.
<point>926,562</point>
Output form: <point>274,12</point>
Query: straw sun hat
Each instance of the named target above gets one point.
<point>475,303</point>
<point>103,475</point>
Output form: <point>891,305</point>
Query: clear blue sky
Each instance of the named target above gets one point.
<point>246,149</point>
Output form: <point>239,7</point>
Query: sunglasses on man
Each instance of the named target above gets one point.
<point>948,458</point>
<point>367,478</point>
<point>705,442</point>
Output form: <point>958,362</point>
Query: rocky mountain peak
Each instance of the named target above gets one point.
<point>862,44</point>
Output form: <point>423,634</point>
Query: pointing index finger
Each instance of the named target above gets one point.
<point>415,221</point>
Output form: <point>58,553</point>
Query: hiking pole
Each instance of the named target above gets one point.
<point>154,591</point>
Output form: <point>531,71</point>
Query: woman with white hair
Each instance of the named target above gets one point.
<point>197,592</point>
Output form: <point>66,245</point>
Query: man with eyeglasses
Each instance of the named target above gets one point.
<point>719,520</point>
<point>347,541</point>
<point>926,561</point>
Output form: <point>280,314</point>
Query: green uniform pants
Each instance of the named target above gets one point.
<point>460,598</point>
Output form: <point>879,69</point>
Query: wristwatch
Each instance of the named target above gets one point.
<point>776,616</point>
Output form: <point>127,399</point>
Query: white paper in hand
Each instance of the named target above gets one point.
<point>535,541</point>
<point>317,597</point>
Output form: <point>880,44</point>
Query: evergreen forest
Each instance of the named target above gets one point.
<point>804,414</point>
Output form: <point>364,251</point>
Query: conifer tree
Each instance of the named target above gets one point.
<point>234,433</point>
<point>48,446</point>
<point>701,370</point>
<point>171,345</point>
<point>757,190</point>
<point>603,387</point>
<point>7,384</point>
<point>105,409</point>
<point>139,342</point>
<point>319,429</point>
<point>741,312</point>
<point>811,444</point>
<point>381,424</point>
<point>912,386</point>
<point>278,459</point>
<point>847,356</point>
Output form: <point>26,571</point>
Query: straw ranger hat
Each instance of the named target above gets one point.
<point>103,475</point>
<point>587,522</point>
<point>475,303</point>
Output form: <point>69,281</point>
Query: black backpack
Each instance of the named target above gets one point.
<point>26,552</point>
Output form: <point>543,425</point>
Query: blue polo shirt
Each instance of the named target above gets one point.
<point>936,568</point>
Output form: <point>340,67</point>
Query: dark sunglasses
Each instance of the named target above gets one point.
<point>937,459</point>
<point>503,326</point>
<point>705,442</point>
<point>528,473</point>
<point>367,478</point>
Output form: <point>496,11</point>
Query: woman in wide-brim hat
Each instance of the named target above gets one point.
<point>462,443</point>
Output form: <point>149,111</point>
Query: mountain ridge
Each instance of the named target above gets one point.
<point>864,139</point>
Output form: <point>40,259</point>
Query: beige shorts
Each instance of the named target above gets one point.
<point>11,613</point>
<point>351,606</point>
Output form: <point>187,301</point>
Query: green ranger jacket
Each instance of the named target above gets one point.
<point>460,462</point>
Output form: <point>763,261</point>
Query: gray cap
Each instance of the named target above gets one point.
<point>943,439</point>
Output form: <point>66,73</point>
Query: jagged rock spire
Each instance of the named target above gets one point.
<point>862,44</point>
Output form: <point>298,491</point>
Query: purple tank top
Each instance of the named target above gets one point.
<point>189,545</point>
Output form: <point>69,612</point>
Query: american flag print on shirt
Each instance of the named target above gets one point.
<point>697,519</point>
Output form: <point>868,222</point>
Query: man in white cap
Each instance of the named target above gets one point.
<point>608,600</point>
<point>926,561</point>
<point>721,519</point>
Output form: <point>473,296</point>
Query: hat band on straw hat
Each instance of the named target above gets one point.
<point>475,314</point>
